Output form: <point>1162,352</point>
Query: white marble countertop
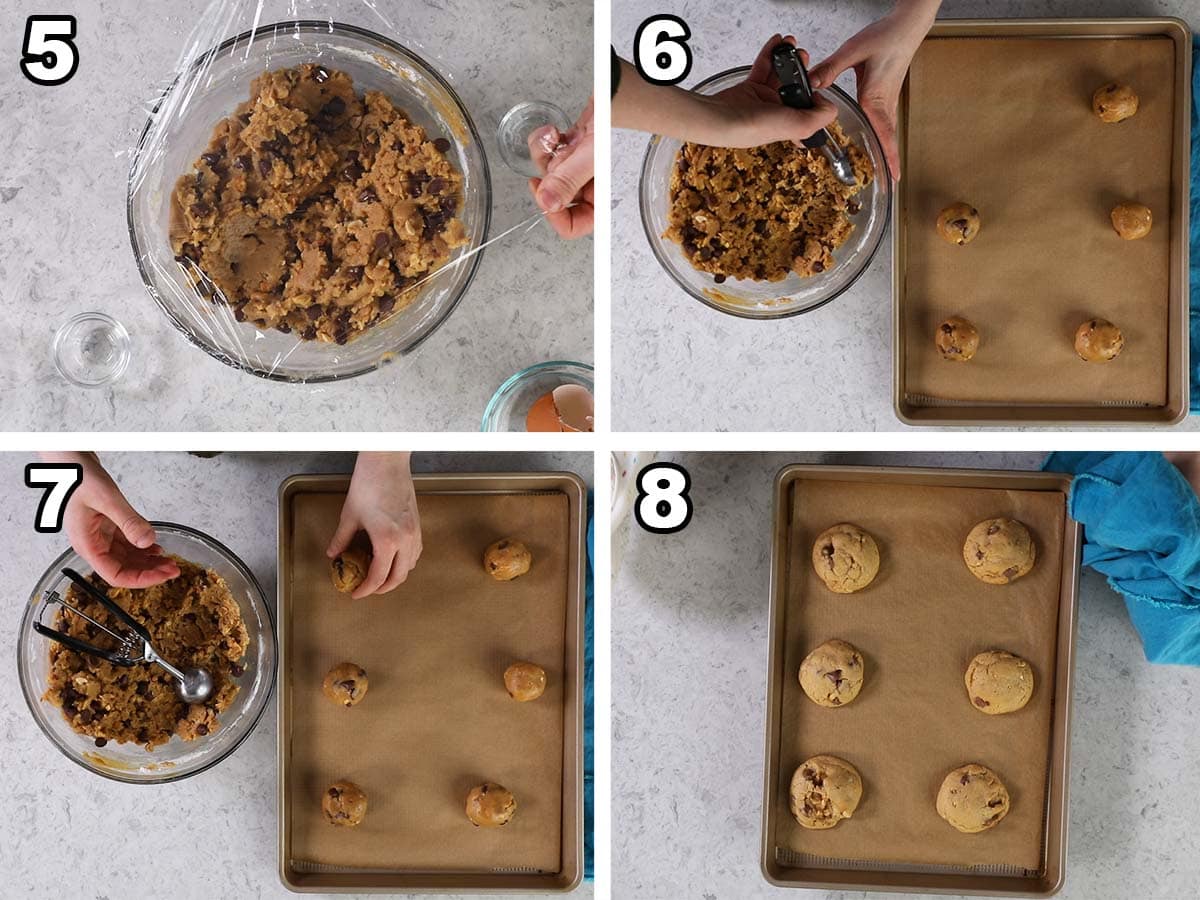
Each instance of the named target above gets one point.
<point>690,647</point>
<point>68,833</point>
<point>66,246</point>
<point>680,366</point>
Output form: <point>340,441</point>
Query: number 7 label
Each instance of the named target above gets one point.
<point>61,479</point>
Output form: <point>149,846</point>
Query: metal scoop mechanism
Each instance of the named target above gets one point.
<point>796,91</point>
<point>133,646</point>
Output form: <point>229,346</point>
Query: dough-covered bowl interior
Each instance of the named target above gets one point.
<point>179,130</point>
<point>793,295</point>
<point>177,758</point>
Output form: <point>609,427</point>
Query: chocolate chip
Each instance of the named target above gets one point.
<point>719,279</point>
<point>368,196</point>
<point>827,551</point>
<point>244,118</point>
<point>760,227</point>
<point>818,266</point>
<point>200,210</point>
<point>239,314</point>
<point>352,173</point>
<point>86,716</point>
<point>1011,571</point>
<point>854,207</point>
<point>100,742</point>
<point>382,241</point>
<point>341,337</point>
<point>310,333</point>
<point>320,74</point>
<point>994,803</point>
<point>202,730</point>
<point>437,185</point>
<point>966,779</point>
<point>237,670</point>
<point>835,676</point>
<point>211,158</point>
<point>960,224</point>
<point>993,529</point>
<point>314,311</point>
<point>947,328</point>
<point>123,681</point>
<point>333,792</point>
<point>836,701</point>
<point>283,328</point>
<point>355,272</point>
<point>441,145</point>
<point>143,688</point>
<point>386,303</point>
<point>981,703</point>
<point>264,166</point>
<point>448,206</point>
<point>272,146</point>
<point>143,736</point>
<point>333,108</point>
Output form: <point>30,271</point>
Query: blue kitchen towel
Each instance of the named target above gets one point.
<point>1194,203</point>
<point>1141,529</point>
<point>589,801</point>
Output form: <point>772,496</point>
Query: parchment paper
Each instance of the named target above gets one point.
<point>1007,126</point>
<point>918,625</point>
<point>436,719</point>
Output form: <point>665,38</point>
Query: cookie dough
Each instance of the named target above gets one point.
<point>490,805</point>
<point>763,213</point>
<point>344,803</point>
<point>524,681</point>
<point>972,798</point>
<point>349,569</point>
<point>507,559</point>
<point>832,674</point>
<point>824,791</point>
<point>1132,221</point>
<point>999,551</point>
<point>313,210</point>
<point>192,619</point>
<point>1114,102</point>
<point>346,684</point>
<point>846,558</point>
<point>958,223</point>
<point>957,339</point>
<point>1098,340</point>
<point>998,682</point>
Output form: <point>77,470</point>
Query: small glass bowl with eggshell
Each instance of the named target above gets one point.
<point>552,396</point>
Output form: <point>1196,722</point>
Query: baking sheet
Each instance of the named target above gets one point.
<point>918,625</point>
<point>1006,124</point>
<point>436,719</point>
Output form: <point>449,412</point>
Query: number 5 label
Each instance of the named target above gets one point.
<point>660,50</point>
<point>663,505</point>
<point>48,55</point>
<point>61,479</point>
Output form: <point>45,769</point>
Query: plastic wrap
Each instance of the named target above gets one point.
<point>232,43</point>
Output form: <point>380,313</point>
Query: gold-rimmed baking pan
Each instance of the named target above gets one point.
<point>997,113</point>
<point>436,719</point>
<point>918,624</point>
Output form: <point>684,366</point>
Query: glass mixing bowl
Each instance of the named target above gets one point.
<point>177,758</point>
<point>766,299</point>
<point>510,404</point>
<point>177,133</point>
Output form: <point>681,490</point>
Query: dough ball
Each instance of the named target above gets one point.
<point>957,339</point>
<point>958,223</point>
<point>972,798</point>
<point>349,569</point>
<point>524,681</point>
<point>832,674</point>
<point>490,804</point>
<point>1114,102</point>
<point>344,803</point>
<point>507,559</point>
<point>999,682</point>
<point>824,791</point>
<point>346,684</point>
<point>999,551</point>
<point>846,558</point>
<point>1132,221</point>
<point>1098,340</point>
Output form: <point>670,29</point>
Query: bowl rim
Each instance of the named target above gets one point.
<point>323,27</point>
<point>653,238</point>
<point>586,371</point>
<point>244,570</point>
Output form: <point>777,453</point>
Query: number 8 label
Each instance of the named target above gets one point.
<point>663,505</point>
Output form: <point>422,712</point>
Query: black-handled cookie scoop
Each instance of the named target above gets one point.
<point>795,90</point>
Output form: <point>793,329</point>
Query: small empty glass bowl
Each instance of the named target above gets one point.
<point>510,404</point>
<point>767,299</point>
<point>178,132</point>
<point>91,350</point>
<point>177,758</point>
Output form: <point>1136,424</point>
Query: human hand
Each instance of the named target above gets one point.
<point>880,55</point>
<point>751,114</point>
<point>383,503</point>
<point>107,532</point>
<point>566,193</point>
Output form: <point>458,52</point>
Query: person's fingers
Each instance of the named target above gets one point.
<point>543,142</point>
<point>826,72</point>
<point>347,528</point>
<point>882,115</point>
<point>566,180</point>
<point>578,220</point>
<point>761,67</point>
<point>383,556</point>
<point>401,566</point>
<point>129,522</point>
<point>783,123</point>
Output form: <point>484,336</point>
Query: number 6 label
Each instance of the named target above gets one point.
<point>660,50</point>
<point>48,56</point>
<point>663,505</point>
